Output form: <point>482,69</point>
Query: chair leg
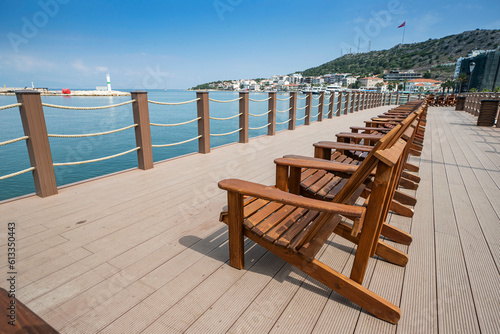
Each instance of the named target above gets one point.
<point>396,235</point>
<point>401,209</point>
<point>405,199</point>
<point>235,224</point>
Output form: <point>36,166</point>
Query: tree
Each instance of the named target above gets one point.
<point>427,75</point>
<point>462,77</point>
<point>497,89</point>
<point>484,90</point>
<point>473,90</point>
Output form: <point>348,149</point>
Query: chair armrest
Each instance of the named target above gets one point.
<point>273,194</point>
<point>308,162</point>
<point>335,145</point>
<point>368,136</point>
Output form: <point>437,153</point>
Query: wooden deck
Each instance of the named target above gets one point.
<point>144,252</point>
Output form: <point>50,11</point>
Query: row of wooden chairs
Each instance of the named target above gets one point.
<point>441,100</point>
<point>316,196</point>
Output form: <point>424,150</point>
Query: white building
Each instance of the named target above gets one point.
<point>422,84</point>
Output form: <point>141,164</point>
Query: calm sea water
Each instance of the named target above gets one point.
<point>14,157</point>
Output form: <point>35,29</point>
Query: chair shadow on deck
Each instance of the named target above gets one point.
<point>218,240</point>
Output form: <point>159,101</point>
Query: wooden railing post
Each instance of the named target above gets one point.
<point>203,122</point>
<point>320,106</point>
<point>358,99</point>
<point>271,117</point>
<point>353,100</point>
<point>330,105</point>
<point>397,98</point>
<point>38,145</point>
<point>408,99</point>
<point>292,114</point>
<point>347,101</point>
<point>365,101</point>
<point>244,114</point>
<point>309,100</point>
<point>140,109</point>
<point>420,96</point>
<point>339,104</point>
<point>390,98</point>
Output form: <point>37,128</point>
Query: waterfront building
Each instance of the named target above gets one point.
<point>401,75</point>
<point>348,81</point>
<point>485,73</point>
<point>423,85</point>
<point>370,82</point>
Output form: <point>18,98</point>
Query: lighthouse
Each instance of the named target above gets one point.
<point>109,82</point>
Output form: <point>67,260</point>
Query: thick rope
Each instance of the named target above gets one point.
<point>299,119</point>
<point>93,134</point>
<point>260,127</point>
<point>328,113</point>
<point>225,118</point>
<point>10,106</point>
<point>288,98</point>
<point>301,98</point>
<point>221,101</point>
<point>288,120</point>
<point>87,108</point>
<point>176,124</point>
<point>13,140</point>
<point>314,115</point>
<point>283,111</point>
<point>315,98</point>
<point>178,143</point>
<point>17,173</point>
<point>304,107</point>
<point>326,105</point>
<point>94,160</point>
<point>173,103</point>
<point>315,106</point>
<point>260,100</point>
<point>258,115</point>
<point>224,134</point>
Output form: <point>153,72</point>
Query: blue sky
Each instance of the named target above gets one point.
<point>178,44</point>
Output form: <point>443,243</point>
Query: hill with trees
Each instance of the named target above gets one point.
<point>431,55</point>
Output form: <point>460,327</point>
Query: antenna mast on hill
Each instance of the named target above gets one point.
<point>369,45</point>
<point>359,41</point>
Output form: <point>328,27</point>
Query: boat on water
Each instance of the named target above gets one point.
<point>333,88</point>
<point>314,90</point>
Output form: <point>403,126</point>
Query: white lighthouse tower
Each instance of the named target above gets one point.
<point>108,80</point>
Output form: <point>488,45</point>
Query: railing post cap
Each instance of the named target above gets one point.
<point>138,92</point>
<point>246,92</point>
<point>201,92</point>
<point>27,91</point>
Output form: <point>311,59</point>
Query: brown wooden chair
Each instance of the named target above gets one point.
<point>296,227</point>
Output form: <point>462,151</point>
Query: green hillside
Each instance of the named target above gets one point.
<point>421,56</point>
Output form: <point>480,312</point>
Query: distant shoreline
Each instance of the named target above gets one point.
<point>46,92</point>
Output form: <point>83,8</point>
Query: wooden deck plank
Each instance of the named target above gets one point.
<point>157,250</point>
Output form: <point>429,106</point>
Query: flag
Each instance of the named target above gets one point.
<point>402,25</point>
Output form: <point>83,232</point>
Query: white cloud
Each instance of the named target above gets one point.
<point>85,69</point>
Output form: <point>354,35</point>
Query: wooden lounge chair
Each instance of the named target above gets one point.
<point>317,181</point>
<point>295,227</point>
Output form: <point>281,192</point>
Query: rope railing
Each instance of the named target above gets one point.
<point>260,127</point>
<point>315,115</point>
<point>258,115</point>
<point>92,134</point>
<point>288,120</point>
<point>224,134</point>
<point>288,98</point>
<point>283,111</point>
<point>299,119</point>
<point>178,143</point>
<point>301,98</point>
<point>260,100</point>
<point>8,106</point>
<point>225,118</point>
<point>13,140</point>
<point>315,106</point>
<point>304,107</point>
<point>328,113</point>
<point>326,105</point>
<point>176,124</point>
<point>17,173</point>
<point>227,101</point>
<point>94,160</point>
<point>173,103</point>
<point>87,108</point>
<point>315,98</point>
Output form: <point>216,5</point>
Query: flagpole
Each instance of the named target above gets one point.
<point>404,29</point>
